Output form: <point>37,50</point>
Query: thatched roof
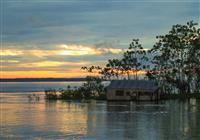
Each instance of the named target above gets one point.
<point>146,85</point>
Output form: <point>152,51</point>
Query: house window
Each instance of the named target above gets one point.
<point>119,93</point>
<point>133,94</point>
<point>128,93</point>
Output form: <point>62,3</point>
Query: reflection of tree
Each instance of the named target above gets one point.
<point>171,120</point>
<point>181,122</point>
<point>128,120</point>
<point>133,120</point>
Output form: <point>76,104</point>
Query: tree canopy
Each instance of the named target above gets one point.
<point>177,59</point>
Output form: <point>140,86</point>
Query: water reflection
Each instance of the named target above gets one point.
<point>100,120</point>
<point>168,120</point>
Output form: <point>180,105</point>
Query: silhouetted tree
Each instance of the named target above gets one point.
<point>134,59</point>
<point>177,59</point>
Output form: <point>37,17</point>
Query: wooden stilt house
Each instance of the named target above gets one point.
<point>138,90</point>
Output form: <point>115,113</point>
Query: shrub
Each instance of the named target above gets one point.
<point>51,94</point>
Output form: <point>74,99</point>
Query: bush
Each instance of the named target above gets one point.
<point>51,95</point>
<point>92,89</point>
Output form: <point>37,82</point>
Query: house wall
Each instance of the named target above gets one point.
<point>134,95</point>
<point>144,98</point>
<point>111,95</point>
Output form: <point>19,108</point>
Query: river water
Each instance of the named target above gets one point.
<point>24,119</point>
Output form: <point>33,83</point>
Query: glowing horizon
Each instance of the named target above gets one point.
<point>42,74</point>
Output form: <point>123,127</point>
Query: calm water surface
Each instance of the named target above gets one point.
<point>35,86</point>
<point>24,119</point>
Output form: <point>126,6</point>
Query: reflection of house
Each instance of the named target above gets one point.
<point>132,90</point>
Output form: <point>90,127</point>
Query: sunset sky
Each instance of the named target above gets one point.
<point>50,38</point>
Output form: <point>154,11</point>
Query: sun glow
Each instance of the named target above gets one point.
<point>42,74</point>
<point>52,64</point>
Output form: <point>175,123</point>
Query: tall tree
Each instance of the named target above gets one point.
<point>135,58</point>
<point>177,60</point>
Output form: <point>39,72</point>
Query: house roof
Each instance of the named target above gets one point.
<point>133,84</point>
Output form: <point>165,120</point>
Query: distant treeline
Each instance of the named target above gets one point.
<point>42,79</point>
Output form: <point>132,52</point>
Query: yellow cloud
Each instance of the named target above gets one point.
<point>52,64</point>
<point>86,50</point>
<point>11,52</point>
<point>62,49</point>
<point>9,61</point>
<point>75,50</point>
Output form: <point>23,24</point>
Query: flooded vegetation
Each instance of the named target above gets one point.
<point>92,88</point>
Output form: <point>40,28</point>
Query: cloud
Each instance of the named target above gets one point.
<point>58,21</point>
<point>66,32</point>
<point>11,52</point>
<point>62,49</point>
<point>60,57</point>
<point>9,61</point>
<point>48,65</point>
<point>87,50</point>
<point>52,64</point>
